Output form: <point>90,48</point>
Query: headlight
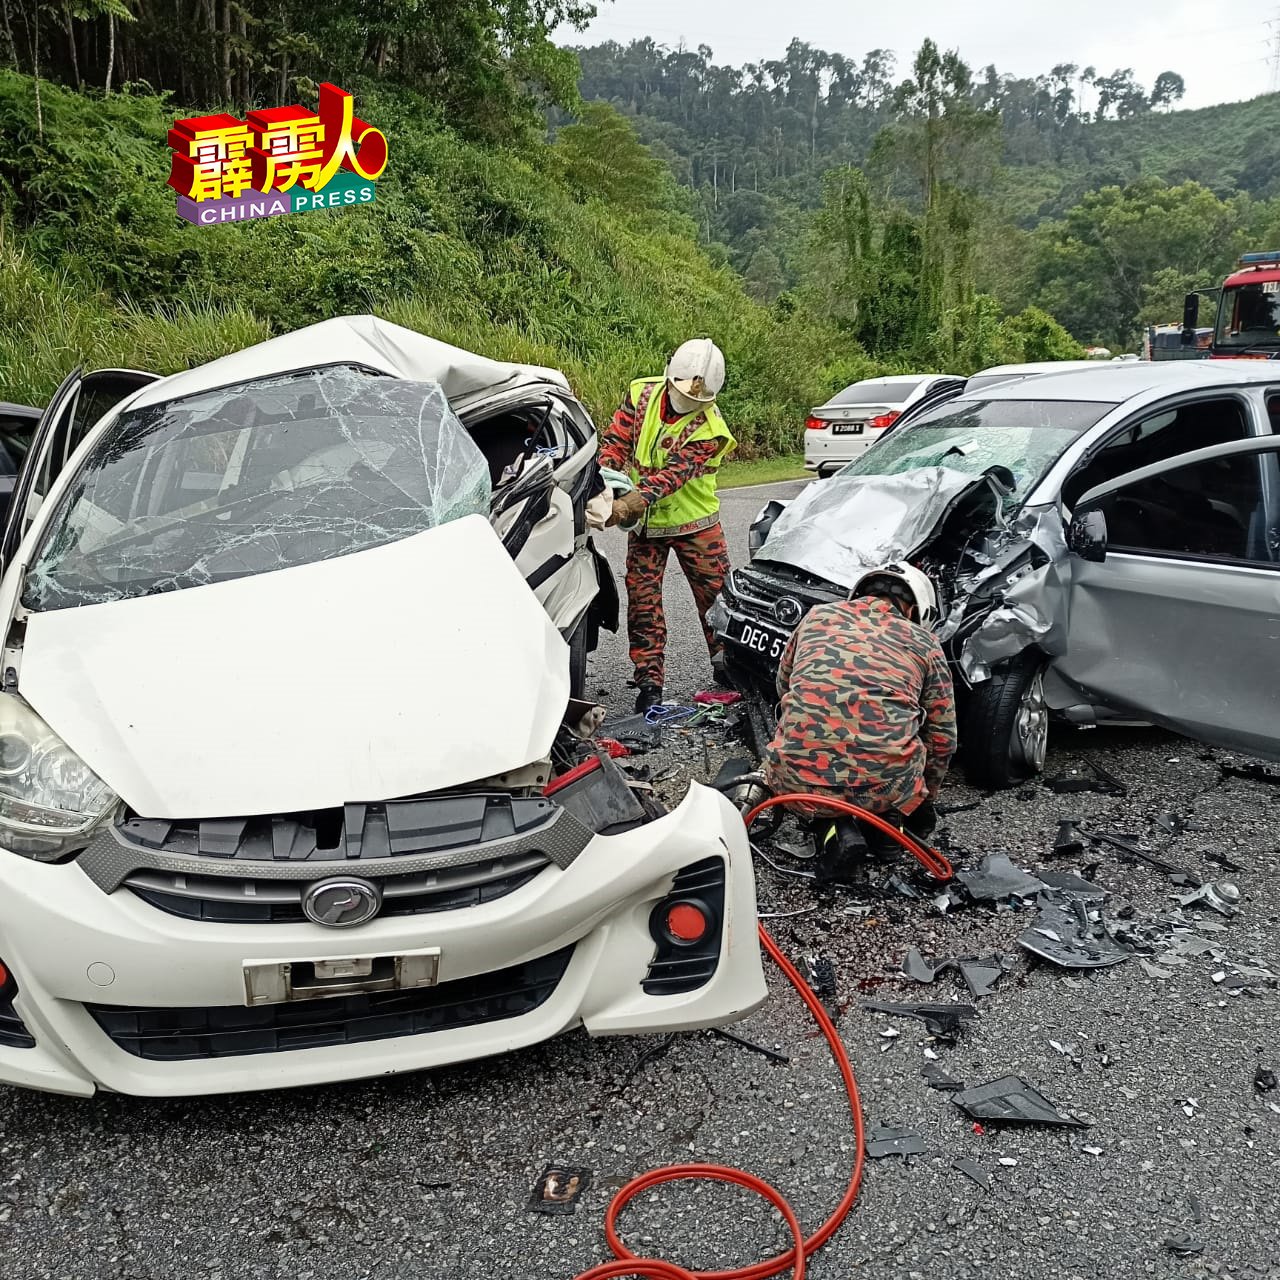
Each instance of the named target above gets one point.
<point>49,797</point>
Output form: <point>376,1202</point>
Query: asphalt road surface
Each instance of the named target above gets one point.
<point>428,1175</point>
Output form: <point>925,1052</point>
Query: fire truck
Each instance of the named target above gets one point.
<point>1248,321</point>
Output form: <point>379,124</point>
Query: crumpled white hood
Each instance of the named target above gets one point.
<point>411,667</point>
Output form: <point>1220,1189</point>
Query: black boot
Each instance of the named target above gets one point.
<point>650,695</point>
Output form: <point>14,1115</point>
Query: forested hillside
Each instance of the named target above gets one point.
<point>1082,193</point>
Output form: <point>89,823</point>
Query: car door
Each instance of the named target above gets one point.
<point>76,405</point>
<point>1176,619</point>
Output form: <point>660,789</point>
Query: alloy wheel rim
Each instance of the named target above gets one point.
<point>1031,729</point>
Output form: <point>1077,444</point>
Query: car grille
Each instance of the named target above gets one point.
<point>756,592</point>
<point>184,1034</point>
<point>241,900</point>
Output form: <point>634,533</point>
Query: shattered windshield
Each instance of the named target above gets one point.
<point>969,436</point>
<point>264,475</point>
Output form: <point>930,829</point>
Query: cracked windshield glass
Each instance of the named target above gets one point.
<point>264,475</point>
<point>1026,436</point>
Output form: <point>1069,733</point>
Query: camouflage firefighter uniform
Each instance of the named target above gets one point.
<point>868,709</point>
<point>672,459</point>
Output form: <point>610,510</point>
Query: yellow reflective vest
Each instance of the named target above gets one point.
<point>695,505</point>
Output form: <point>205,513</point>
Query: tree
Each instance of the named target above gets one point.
<point>1168,89</point>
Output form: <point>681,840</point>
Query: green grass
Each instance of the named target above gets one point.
<point>787,466</point>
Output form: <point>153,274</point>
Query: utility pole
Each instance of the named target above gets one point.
<point>1274,59</point>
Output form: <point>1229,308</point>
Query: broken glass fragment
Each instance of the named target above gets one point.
<point>916,967</point>
<point>1154,971</point>
<point>1070,883</point>
<point>1012,1100</point>
<point>1062,937</point>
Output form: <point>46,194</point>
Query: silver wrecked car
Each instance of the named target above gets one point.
<point>1105,544</point>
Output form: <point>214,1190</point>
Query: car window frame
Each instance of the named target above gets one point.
<point>1263,444</point>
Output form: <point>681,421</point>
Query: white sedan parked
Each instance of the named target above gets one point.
<point>855,418</point>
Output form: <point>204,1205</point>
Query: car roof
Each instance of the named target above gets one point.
<point>897,380</point>
<point>1115,383</point>
<point>1047,366</point>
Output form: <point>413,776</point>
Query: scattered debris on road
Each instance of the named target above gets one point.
<point>1011,1100</point>
<point>558,1189</point>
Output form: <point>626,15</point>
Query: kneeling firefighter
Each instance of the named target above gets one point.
<point>867,710</point>
<point>670,438</point>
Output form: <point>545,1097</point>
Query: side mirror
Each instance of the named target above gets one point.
<point>1087,536</point>
<point>1190,319</point>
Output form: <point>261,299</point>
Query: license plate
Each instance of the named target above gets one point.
<point>846,429</point>
<point>279,981</point>
<point>764,641</point>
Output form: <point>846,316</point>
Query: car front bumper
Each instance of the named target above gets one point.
<point>73,948</point>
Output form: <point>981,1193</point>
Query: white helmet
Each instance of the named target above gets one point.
<point>906,585</point>
<point>695,375</point>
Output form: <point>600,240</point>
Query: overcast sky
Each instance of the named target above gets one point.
<point>1223,51</point>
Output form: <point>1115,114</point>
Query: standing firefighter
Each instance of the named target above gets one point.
<point>868,708</point>
<point>670,438</point>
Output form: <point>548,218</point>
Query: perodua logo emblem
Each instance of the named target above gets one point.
<point>342,903</point>
<point>788,611</point>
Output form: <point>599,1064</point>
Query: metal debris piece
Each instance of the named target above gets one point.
<point>1264,1080</point>
<point>939,1019</point>
<point>939,1079</point>
<point>558,1189</point>
<point>1221,896</point>
<point>1184,1244</point>
<point>917,968</point>
<point>973,1171</point>
<point>1012,1100</point>
<point>894,1142</point>
<point>980,975</point>
<point>995,878</point>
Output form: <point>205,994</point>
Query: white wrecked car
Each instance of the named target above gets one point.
<point>290,790</point>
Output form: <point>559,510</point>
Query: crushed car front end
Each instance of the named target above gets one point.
<point>292,785</point>
<point>143,965</point>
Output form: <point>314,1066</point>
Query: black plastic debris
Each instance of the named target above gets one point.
<point>1064,934</point>
<point>1264,1080</point>
<point>939,1019</point>
<point>1103,782</point>
<point>821,976</point>
<point>1131,850</point>
<point>980,975</point>
<point>894,1142</point>
<point>636,734</point>
<point>917,968</point>
<point>1253,772</point>
<point>1072,885</point>
<point>996,878</point>
<point>973,1171</point>
<point>1184,1244</point>
<point>763,1050</point>
<point>1012,1101</point>
<point>937,1078</point>
<point>1221,860</point>
<point>1067,841</point>
<point>558,1189</point>
<point>946,810</point>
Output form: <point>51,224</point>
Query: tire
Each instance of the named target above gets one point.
<point>579,646</point>
<point>1005,727</point>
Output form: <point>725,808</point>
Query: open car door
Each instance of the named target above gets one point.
<point>76,405</point>
<point>1174,611</point>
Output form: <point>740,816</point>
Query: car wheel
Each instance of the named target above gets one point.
<point>1005,731</point>
<point>579,647</point>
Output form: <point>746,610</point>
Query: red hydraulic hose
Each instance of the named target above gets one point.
<point>629,1264</point>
